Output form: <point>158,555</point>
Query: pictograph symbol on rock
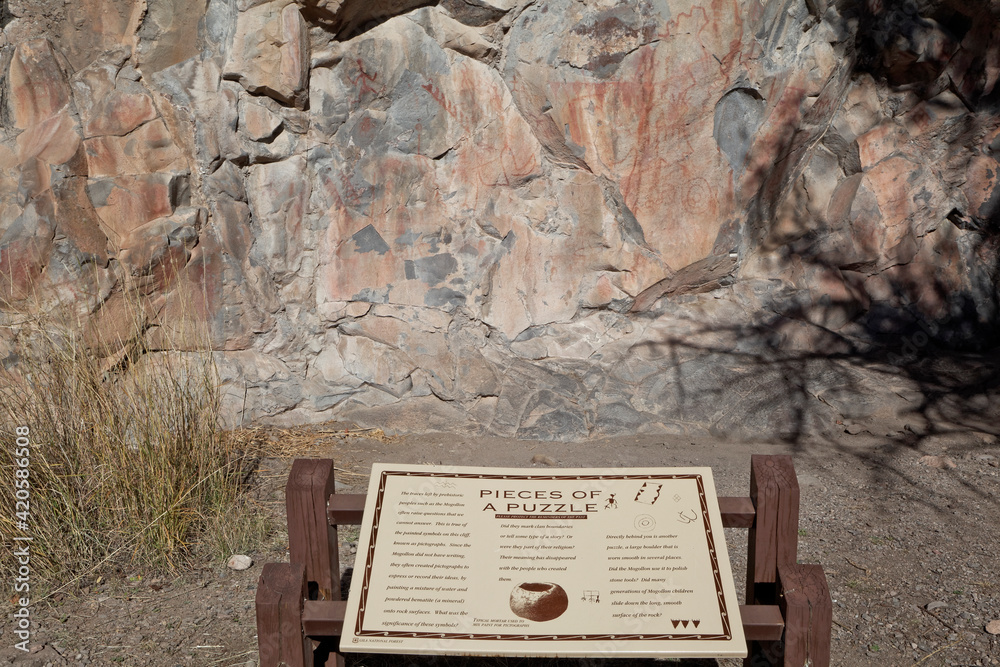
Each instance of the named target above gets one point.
<point>364,81</point>
<point>697,196</point>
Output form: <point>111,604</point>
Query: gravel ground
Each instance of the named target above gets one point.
<point>905,526</point>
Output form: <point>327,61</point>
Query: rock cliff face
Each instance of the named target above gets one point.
<point>551,219</point>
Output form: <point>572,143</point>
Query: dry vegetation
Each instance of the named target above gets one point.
<point>129,467</point>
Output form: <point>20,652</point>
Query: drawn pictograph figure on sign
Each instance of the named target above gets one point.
<point>687,517</point>
<point>591,596</point>
<point>645,523</point>
<point>611,503</point>
<point>648,493</point>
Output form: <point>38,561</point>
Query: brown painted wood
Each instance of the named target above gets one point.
<point>281,590</point>
<point>736,512</point>
<point>773,537</point>
<point>821,623</point>
<point>346,509</point>
<point>762,622</point>
<point>312,541</point>
<point>325,618</point>
<point>808,611</point>
<point>803,617</point>
<point>795,609</point>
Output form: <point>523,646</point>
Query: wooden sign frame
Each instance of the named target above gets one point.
<point>787,618</point>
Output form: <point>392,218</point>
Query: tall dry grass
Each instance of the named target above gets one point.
<point>129,467</point>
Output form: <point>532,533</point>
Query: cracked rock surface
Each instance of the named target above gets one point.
<point>548,220</point>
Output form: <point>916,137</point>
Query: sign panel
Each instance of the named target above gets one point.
<point>568,562</point>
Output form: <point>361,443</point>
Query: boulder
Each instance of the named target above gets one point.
<point>259,123</point>
<point>164,39</point>
<point>37,84</point>
<point>270,52</point>
<point>147,149</point>
<point>124,203</point>
<point>278,197</point>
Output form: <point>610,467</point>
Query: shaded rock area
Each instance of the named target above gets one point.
<point>549,220</point>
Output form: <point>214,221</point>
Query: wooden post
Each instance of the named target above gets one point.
<point>312,541</point>
<point>808,611</point>
<point>774,535</point>
<point>281,640</point>
<point>772,540</point>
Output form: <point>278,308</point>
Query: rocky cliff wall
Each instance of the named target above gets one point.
<point>551,219</point>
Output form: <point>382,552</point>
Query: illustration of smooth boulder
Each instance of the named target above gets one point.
<point>538,601</point>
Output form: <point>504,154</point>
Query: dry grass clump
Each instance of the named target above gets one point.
<point>128,464</point>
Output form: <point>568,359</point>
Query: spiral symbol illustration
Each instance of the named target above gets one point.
<point>645,523</point>
<point>698,195</point>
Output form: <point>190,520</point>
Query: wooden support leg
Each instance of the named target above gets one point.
<point>281,638</point>
<point>773,538</point>
<point>312,541</point>
<point>325,620</point>
<point>808,611</point>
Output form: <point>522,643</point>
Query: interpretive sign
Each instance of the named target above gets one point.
<point>523,562</point>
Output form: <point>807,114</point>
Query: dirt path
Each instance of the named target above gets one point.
<point>910,546</point>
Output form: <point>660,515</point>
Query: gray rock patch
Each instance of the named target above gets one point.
<point>738,115</point>
<point>432,270</point>
<point>369,240</point>
<point>442,297</point>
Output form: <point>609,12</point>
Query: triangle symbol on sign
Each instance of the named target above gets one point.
<point>696,623</point>
<point>685,623</point>
<point>676,623</point>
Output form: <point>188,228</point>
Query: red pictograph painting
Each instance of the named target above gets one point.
<point>364,82</point>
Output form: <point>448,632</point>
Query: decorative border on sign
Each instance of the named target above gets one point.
<point>383,478</point>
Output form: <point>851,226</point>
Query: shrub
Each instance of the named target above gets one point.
<point>129,466</point>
